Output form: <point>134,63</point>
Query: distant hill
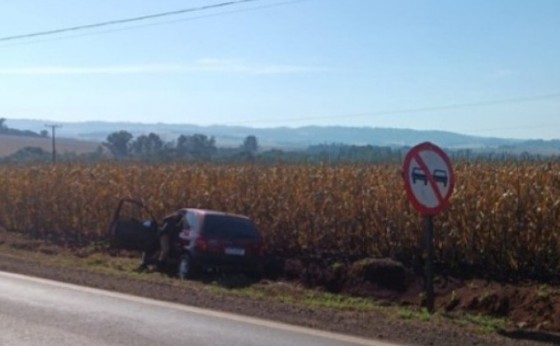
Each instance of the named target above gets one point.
<point>295,138</point>
<point>10,144</point>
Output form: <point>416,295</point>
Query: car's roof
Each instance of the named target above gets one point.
<point>213,212</point>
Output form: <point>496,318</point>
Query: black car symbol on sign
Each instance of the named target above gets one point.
<point>439,175</point>
<point>418,174</point>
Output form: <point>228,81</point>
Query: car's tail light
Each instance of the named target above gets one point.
<point>201,244</point>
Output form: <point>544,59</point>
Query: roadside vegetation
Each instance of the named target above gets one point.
<point>502,223</point>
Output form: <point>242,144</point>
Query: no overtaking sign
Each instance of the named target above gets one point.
<point>429,182</point>
<point>429,178</point>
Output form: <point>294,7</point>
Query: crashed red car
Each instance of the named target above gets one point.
<point>214,239</point>
<point>206,240</point>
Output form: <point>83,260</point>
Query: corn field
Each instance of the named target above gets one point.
<point>504,218</point>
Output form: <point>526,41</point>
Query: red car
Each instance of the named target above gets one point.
<point>203,239</point>
<point>214,239</point>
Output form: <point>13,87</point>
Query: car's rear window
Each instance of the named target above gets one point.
<point>228,227</point>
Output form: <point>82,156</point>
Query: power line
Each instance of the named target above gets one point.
<point>132,27</point>
<point>410,110</point>
<point>123,21</point>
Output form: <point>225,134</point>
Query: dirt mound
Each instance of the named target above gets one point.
<point>528,305</point>
<point>383,273</point>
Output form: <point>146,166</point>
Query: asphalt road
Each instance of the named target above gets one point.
<point>42,312</point>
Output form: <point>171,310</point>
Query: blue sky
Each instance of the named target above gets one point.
<point>489,68</point>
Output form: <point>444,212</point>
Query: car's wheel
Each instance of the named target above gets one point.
<point>187,269</point>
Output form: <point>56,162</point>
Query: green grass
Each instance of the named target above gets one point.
<point>415,314</point>
<point>486,324</point>
<point>300,296</point>
<point>480,323</point>
<point>337,301</point>
<point>545,292</point>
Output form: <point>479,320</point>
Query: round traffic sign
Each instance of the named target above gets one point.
<point>428,178</point>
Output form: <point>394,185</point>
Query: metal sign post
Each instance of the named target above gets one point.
<point>429,181</point>
<point>429,268</point>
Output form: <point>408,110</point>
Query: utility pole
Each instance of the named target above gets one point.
<point>53,127</point>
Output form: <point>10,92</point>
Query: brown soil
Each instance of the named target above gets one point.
<point>533,310</point>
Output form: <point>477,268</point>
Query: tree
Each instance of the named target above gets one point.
<point>250,145</point>
<point>3,123</point>
<point>197,147</point>
<point>118,143</point>
<point>29,155</point>
<point>147,147</point>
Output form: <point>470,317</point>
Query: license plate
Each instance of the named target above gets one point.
<point>235,251</point>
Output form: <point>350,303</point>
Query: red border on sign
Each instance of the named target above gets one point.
<point>414,154</point>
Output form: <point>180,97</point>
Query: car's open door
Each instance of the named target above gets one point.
<point>129,232</point>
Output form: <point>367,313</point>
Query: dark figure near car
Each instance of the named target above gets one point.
<point>172,225</point>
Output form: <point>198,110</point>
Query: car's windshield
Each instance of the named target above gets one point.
<point>228,227</point>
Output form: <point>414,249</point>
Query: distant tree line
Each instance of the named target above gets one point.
<point>196,147</point>
<point>5,130</point>
<point>122,146</point>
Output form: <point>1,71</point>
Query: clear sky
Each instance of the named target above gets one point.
<point>489,68</point>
